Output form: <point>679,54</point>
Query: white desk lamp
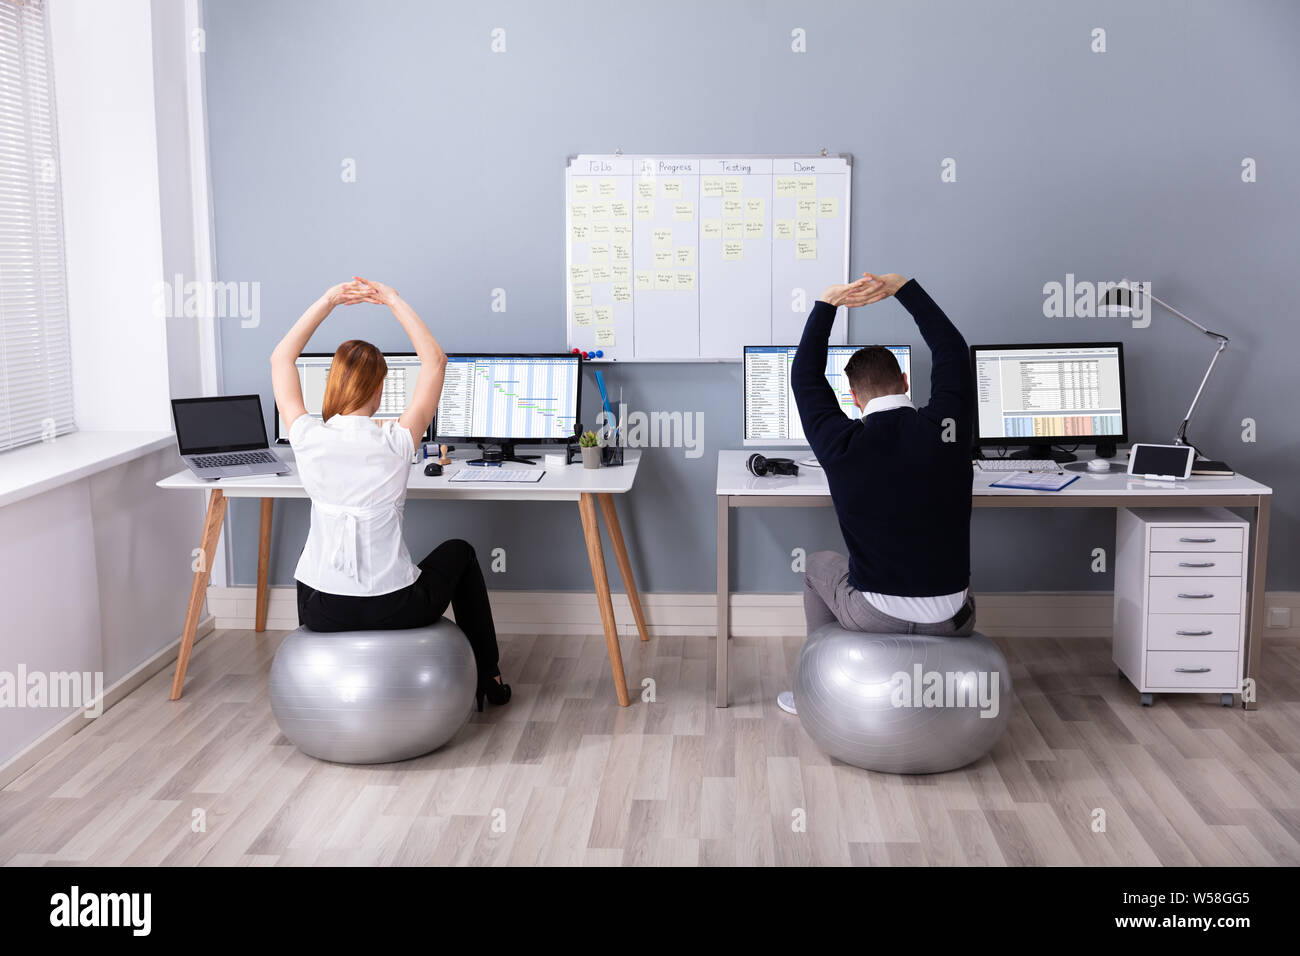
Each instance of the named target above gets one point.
<point>1120,299</point>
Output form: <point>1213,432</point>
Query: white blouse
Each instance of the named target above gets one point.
<point>355,470</point>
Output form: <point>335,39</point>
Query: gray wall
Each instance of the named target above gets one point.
<point>1068,161</point>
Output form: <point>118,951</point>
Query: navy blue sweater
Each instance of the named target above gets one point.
<point>901,492</point>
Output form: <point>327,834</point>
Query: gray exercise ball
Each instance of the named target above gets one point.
<point>902,703</point>
<point>373,696</point>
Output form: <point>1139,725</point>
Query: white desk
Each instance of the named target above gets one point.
<point>737,488</point>
<point>587,487</point>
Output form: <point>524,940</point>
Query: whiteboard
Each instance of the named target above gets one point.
<point>691,258</point>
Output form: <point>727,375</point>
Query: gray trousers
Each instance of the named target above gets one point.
<point>828,596</point>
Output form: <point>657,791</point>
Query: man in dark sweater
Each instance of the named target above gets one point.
<point>900,476</point>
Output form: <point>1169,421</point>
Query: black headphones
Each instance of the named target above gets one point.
<point>761,467</point>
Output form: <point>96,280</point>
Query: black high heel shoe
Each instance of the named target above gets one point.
<point>496,693</point>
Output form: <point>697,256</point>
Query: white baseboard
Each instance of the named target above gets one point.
<point>74,723</point>
<point>1010,614</point>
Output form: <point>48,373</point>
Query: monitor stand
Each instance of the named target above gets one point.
<point>497,454</point>
<point>1045,451</point>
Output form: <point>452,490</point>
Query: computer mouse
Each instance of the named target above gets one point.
<point>1098,464</point>
<point>433,469</point>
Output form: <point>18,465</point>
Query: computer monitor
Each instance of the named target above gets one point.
<point>771,416</point>
<point>508,400</point>
<point>1059,393</point>
<point>399,385</point>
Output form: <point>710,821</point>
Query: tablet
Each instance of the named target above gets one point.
<point>1162,462</point>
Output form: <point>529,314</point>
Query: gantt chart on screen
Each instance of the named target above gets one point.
<point>771,414</point>
<point>509,397</point>
<point>1048,392</point>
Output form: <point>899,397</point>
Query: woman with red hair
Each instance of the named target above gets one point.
<point>355,572</point>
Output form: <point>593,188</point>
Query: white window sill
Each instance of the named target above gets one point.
<point>33,469</point>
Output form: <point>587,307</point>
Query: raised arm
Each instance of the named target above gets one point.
<point>824,421</point>
<point>284,376</point>
<point>433,360</point>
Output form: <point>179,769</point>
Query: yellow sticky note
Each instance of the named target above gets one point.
<point>711,187</point>
<point>807,185</point>
<point>685,257</point>
<point>605,335</point>
<point>670,188</point>
<point>711,229</point>
<point>600,252</point>
<point>805,249</point>
<point>618,209</point>
<point>621,251</point>
<point>828,208</point>
<point>732,186</point>
<point>805,229</point>
<point>663,258</point>
<point>600,273</point>
<point>784,229</point>
<point>645,189</point>
<point>683,211</point>
<point>622,292</point>
<point>580,210</point>
<point>664,281</point>
<point>600,210</point>
<point>582,295</point>
<point>786,186</point>
<point>581,232</point>
<point>622,230</point>
<point>579,274</point>
<point>733,250</point>
<point>621,272</point>
<point>732,209</point>
<point>599,231</point>
<point>645,279</point>
<point>663,237</point>
<point>582,315</point>
<point>582,189</point>
<point>807,207</point>
<point>755,208</point>
<point>733,229</point>
<point>685,282</point>
<point>607,189</point>
<point>755,229</point>
<point>645,209</point>
<point>604,314</point>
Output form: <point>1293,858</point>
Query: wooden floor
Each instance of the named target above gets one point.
<point>562,775</point>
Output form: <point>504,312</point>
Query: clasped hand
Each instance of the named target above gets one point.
<point>361,290</point>
<point>870,288</point>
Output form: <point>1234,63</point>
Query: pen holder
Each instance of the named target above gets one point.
<point>572,453</point>
<point>611,456</point>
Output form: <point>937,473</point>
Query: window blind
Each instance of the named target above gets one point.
<point>35,352</point>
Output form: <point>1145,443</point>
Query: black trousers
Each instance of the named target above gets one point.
<point>450,575</point>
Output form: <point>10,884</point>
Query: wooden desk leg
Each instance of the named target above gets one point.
<point>263,565</point>
<point>595,554</point>
<point>1258,581</point>
<point>198,591</point>
<point>610,513</point>
<point>724,601</point>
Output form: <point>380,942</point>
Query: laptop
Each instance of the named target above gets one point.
<point>225,437</point>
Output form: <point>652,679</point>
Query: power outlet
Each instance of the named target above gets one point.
<point>1279,617</point>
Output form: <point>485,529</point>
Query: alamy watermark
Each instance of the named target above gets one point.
<point>1084,299</point>
<point>923,688</point>
<point>660,429</point>
<point>209,300</point>
<point>55,689</point>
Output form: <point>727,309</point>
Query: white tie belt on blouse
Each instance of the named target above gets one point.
<point>343,550</point>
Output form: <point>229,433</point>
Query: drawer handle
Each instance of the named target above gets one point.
<point>1195,597</point>
<point>1198,540</point>
<point>1193,633</point>
<point>1196,564</point>
<point>1191,670</point>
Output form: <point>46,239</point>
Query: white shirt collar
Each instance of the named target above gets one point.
<point>883,403</point>
<point>348,421</point>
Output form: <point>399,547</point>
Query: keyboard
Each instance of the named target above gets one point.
<point>494,473</point>
<point>234,458</point>
<point>1016,464</point>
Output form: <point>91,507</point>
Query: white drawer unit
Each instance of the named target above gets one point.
<point>1180,601</point>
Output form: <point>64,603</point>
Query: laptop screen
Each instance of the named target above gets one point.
<point>227,423</point>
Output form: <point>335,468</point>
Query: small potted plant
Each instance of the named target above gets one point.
<point>590,446</point>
